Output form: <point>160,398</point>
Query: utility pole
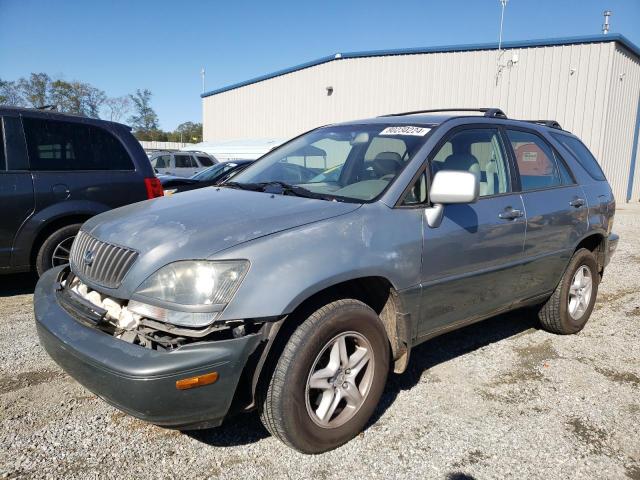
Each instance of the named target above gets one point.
<point>605,25</point>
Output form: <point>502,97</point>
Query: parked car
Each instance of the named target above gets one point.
<point>296,299</point>
<point>214,175</point>
<point>181,164</point>
<point>56,171</point>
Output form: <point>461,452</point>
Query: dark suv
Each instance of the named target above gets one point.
<point>56,171</point>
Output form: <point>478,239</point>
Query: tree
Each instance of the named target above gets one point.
<point>77,97</point>
<point>188,132</point>
<point>10,94</point>
<point>117,107</point>
<point>144,120</point>
<point>35,89</point>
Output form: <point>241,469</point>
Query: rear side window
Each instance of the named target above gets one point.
<point>535,160</point>
<point>184,161</point>
<point>54,145</point>
<point>582,155</point>
<point>205,161</point>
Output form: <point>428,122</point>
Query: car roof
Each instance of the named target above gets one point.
<point>54,115</point>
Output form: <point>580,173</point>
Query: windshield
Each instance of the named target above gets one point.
<point>351,162</point>
<point>212,172</point>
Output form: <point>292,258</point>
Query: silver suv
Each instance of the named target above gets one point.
<point>181,164</point>
<point>297,287</point>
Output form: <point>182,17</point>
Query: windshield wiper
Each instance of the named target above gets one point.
<point>285,189</point>
<point>256,187</point>
<point>296,190</point>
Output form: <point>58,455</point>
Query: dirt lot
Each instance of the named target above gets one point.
<point>501,399</point>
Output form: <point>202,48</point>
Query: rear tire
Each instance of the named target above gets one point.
<point>55,247</point>
<point>349,334</point>
<point>572,302</point>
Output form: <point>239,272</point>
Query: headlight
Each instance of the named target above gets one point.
<point>189,293</point>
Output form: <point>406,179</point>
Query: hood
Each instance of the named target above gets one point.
<point>200,223</point>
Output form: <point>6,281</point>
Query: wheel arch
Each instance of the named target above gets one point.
<point>375,291</point>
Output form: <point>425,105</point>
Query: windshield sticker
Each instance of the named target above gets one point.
<point>405,130</point>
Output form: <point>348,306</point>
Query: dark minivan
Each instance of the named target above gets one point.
<point>56,171</point>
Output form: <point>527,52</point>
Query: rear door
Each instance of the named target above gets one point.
<point>556,210</point>
<point>80,163</point>
<point>16,185</point>
<point>185,165</point>
<point>471,262</point>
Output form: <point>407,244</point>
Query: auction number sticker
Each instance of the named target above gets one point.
<point>406,130</point>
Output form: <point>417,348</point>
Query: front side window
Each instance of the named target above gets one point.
<point>184,161</point>
<point>163,161</point>
<point>205,161</point>
<point>54,145</point>
<point>478,151</point>
<point>535,161</point>
<point>349,162</point>
<point>582,155</point>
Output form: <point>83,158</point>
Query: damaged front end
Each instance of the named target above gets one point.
<point>115,317</point>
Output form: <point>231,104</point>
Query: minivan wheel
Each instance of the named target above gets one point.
<point>329,378</point>
<point>56,248</point>
<point>572,302</point>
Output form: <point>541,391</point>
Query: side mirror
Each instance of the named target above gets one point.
<point>449,187</point>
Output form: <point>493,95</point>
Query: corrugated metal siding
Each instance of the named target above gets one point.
<point>569,83</point>
<point>622,104</point>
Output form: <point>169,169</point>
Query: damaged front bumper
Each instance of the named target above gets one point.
<point>137,380</point>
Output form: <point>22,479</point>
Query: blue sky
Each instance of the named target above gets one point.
<point>120,45</point>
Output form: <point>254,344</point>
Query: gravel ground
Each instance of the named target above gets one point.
<point>500,399</point>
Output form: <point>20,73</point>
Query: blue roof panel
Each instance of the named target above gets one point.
<point>549,42</point>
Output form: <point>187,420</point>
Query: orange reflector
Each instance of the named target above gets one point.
<point>199,381</point>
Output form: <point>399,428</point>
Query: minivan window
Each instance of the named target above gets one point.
<point>582,155</point>
<point>55,145</point>
<point>205,161</point>
<point>184,161</point>
<point>535,161</point>
<point>478,151</point>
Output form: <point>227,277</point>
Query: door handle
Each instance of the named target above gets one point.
<point>510,214</point>
<point>577,203</point>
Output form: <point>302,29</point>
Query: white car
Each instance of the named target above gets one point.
<point>181,164</point>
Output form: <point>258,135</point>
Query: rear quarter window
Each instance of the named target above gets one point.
<point>55,145</point>
<point>582,154</point>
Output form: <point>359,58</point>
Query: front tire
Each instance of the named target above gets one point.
<point>572,302</point>
<point>329,378</point>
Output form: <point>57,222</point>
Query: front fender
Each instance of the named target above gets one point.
<point>290,266</point>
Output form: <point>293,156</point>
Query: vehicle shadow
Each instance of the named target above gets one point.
<point>451,345</point>
<point>244,429</point>
<point>17,284</point>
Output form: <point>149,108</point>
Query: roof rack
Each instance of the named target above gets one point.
<point>488,112</point>
<point>547,123</point>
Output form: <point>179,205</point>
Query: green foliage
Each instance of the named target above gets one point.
<point>39,90</point>
<point>144,119</point>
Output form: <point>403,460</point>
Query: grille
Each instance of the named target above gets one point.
<point>108,265</point>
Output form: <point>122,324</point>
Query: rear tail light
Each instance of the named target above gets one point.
<point>154,187</point>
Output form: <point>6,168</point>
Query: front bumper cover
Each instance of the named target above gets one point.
<point>140,381</point>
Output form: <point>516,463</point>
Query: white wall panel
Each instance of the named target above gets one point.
<point>577,85</point>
